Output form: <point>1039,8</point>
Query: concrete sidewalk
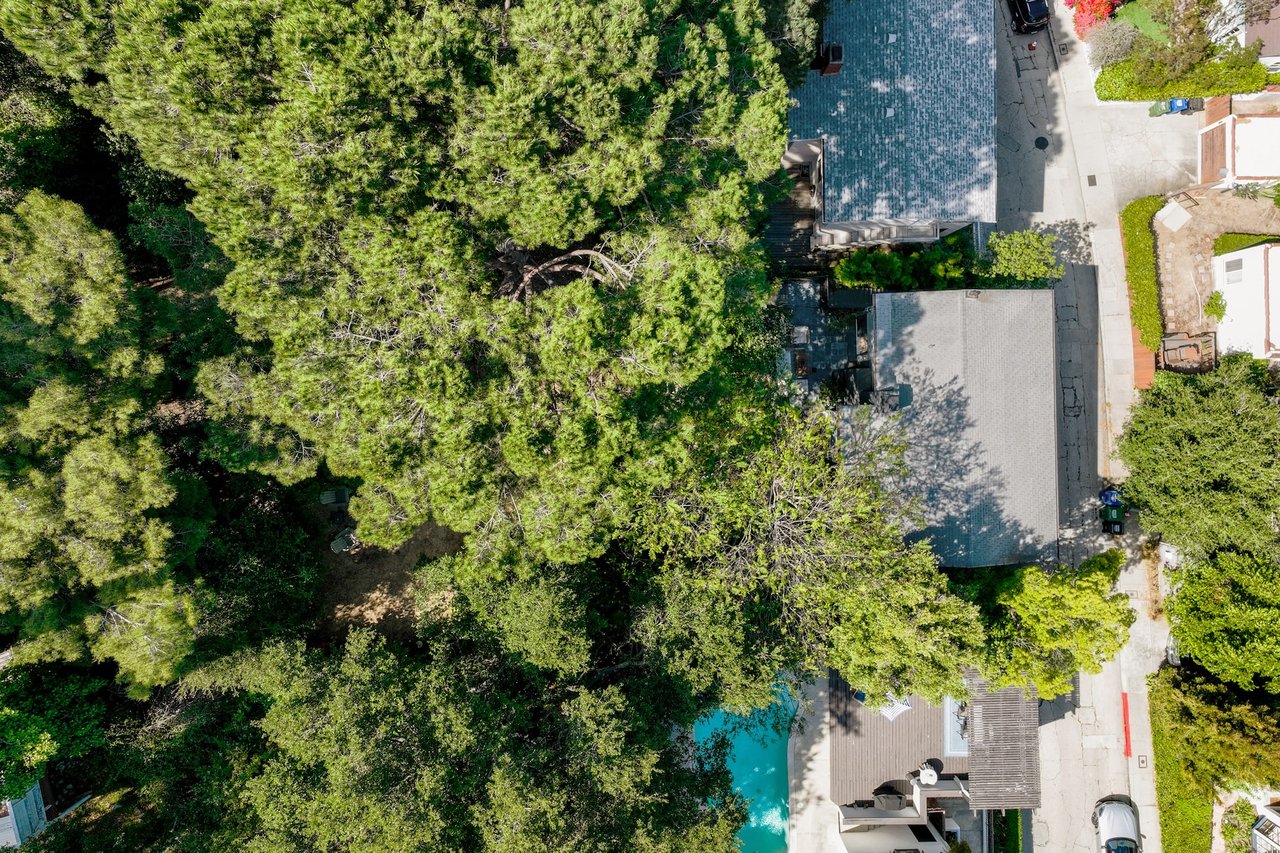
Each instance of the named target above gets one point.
<point>1068,165</point>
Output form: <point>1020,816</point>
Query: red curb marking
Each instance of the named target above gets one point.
<point>1128,743</point>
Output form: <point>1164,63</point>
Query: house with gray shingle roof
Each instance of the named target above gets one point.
<point>899,135</point>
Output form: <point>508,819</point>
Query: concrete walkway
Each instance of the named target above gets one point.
<point>814,819</point>
<point>1186,255</point>
<point>1068,165</point>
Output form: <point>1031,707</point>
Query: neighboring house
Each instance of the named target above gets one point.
<point>22,818</point>
<point>974,374</point>
<point>1230,25</point>
<point>897,127</point>
<point>904,783</point>
<point>1265,837</point>
<point>1240,139</point>
<point>1252,320</point>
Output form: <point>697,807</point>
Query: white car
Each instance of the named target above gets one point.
<point>1116,820</point>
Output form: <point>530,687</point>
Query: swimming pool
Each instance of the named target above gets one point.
<point>759,766</point>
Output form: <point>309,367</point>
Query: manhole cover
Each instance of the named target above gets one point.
<point>1042,142</point>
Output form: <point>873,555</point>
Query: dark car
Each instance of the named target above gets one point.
<point>1029,15</point>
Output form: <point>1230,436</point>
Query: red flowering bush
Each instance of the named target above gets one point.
<point>1090,13</point>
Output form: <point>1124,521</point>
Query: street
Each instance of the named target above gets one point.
<point>1067,165</point>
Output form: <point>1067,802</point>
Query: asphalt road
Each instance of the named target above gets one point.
<point>1067,164</point>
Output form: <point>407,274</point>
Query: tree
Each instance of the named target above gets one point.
<point>45,715</point>
<point>1226,738</point>
<point>1224,612</point>
<point>87,545</point>
<point>1044,627</point>
<point>1024,257</point>
<point>1203,453</point>
<point>794,560</point>
<point>472,321</point>
<point>466,749</point>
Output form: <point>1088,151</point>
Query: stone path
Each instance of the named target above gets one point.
<point>1186,255</point>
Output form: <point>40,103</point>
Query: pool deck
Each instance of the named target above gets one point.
<point>815,819</point>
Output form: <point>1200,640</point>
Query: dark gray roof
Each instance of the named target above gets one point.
<point>979,406</point>
<point>869,752</point>
<point>935,158</point>
<point>1004,747</point>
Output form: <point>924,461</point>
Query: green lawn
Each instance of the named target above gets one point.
<point>1186,806</point>
<point>1139,15</point>
<point>1232,242</point>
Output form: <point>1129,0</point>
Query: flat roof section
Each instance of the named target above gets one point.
<point>978,396</point>
<point>909,123</point>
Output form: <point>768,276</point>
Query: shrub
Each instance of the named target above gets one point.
<point>1237,825</point>
<point>1024,257</point>
<point>1090,13</point>
<point>1216,306</point>
<point>1185,803</point>
<point>1233,242</point>
<point>1110,42</point>
<point>1140,268</point>
<point>1234,71</point>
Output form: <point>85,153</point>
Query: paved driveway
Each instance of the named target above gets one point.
<point>1068,164</point>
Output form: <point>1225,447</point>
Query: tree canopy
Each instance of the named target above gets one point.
<point>1046,626</point>
<point>88,535</point>
<point>1203,452</point>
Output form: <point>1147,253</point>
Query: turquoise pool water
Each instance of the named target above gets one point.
<point>759,767</point>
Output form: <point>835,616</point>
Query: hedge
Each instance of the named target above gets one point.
<point>1233,242</point>
<point>1185,806</point>
<point>1119,82</point>
<point>1140,268</point>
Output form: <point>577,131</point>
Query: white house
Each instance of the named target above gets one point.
<point>1252,321</point>
<point>22,818</point>
<point>1240,140</point>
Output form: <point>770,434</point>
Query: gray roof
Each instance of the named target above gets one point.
<point>935,158</point>
<point>869,752</point>
<point>979,406</point>
<point>1004,747</point>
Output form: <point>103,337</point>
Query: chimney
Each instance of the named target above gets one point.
<point>832,59</point>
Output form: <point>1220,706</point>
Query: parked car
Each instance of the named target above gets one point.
<point>1029,15</point>
<point>1116,821</point>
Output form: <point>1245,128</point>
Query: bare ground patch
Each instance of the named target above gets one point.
<point>374,587</point>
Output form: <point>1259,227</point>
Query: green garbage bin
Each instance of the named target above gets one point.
<point>1111,513</point>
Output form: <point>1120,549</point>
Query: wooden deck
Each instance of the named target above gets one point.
<point>1144,362</point>
<point>1213,154</point>
<point>790,229</point>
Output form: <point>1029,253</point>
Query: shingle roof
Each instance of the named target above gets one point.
<point>979,406</point>
<point>934,159</point>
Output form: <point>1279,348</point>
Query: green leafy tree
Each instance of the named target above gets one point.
<point>1203,453</point>
<point>86,545</point>
<point>470,320</point>
<point>1224,612</point>
<point>45,715</point>
<point>1024,257</point>
<point>1044,627</point>
<point>1226,738</point>
<point>792,561</point>
<point>466,750</point>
